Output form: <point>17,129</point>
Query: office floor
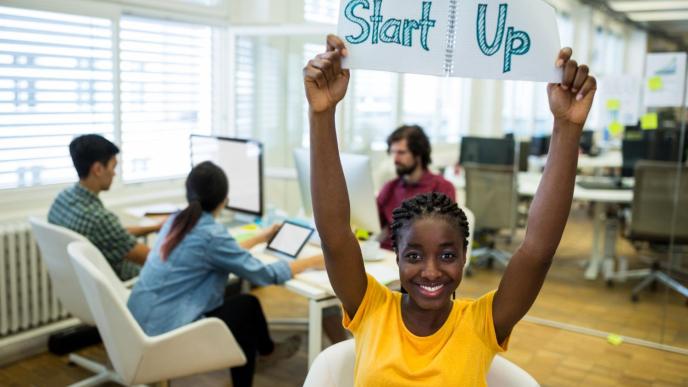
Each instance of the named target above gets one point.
<point>553,356</point>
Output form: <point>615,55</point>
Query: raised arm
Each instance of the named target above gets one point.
<point>326,83</point>
<point>570,103</point>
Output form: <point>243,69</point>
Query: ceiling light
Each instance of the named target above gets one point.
<point>658,16</point>
<point>635,6</point>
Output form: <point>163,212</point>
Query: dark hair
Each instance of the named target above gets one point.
<point>89,149</point>
<point>428,205</point>
<point>418,143</point>
<point>206,187</point>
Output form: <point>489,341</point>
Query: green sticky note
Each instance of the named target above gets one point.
<point>613,104</point>
<point>614,339</point>
<point>615,128</point>
<point>649,121</point>
<point>655,83</point>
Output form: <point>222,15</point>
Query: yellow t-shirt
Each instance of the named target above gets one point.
<point>388,354</point>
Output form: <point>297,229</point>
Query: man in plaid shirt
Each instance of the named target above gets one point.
<point>78,207</point>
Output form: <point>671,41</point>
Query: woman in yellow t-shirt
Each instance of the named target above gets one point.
<point>423,337</point>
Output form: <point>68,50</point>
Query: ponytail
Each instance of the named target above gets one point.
<point>182,224</point>
<point>206,189</point>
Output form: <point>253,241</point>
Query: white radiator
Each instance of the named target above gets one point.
<point>26,299</point>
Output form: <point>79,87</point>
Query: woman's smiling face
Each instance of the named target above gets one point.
<point>430,256</point>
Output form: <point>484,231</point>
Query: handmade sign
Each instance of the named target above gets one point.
<point>496,39</point>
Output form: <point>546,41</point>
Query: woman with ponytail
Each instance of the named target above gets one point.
<point>185,275</point>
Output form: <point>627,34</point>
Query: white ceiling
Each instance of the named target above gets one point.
<point>670,16</point>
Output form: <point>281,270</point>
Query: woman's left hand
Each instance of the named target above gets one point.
<point>571,100</point>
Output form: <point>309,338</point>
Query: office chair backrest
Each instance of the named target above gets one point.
<point>52,242</point>
<point>492,196</point>
<point>523,153</point>
<point>654,205</point>
<point>123,337</point>
<point>334,367</point>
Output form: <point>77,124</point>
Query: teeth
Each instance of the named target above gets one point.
<point>431,288</point>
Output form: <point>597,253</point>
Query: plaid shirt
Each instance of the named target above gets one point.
<point>78,209</point>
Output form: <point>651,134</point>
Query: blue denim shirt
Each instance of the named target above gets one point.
<point>191,282</point>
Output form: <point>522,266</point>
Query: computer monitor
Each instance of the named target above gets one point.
<point>633,149</point>
<point>485,150</point>
<point>242,162</point>
<point>359,183</point>
<point>586,141</point>
<point>539,145</point>
<point>658,145</point>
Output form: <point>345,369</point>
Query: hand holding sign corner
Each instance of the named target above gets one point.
<point>323,77</point>
<point>571,99</point>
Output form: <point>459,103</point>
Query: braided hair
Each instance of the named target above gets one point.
<point>434,204</point>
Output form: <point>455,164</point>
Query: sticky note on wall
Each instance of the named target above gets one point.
<point>613,104</point>
<point>615,128</point>
<point>649,121</point>
<point>655,83</point>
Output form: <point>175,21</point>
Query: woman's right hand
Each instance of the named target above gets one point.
<point>314,262</point>
<point>324,79</point>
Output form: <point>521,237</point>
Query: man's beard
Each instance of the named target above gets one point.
<point>403,170</point>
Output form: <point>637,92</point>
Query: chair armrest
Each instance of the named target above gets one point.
<point>201,346</point>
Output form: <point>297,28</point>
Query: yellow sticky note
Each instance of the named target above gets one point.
<point>614,339</point>
<point>362,235</point>
<point>655,83</point>
<point>613,104</point>
<point>649,121</point>
<point>615,128</point>
<point>250,227</point>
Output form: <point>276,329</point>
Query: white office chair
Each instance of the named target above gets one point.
<point>334,367</point>
<point>201,346</point>
<point>52,242</point>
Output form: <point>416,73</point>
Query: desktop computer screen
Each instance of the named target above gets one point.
<point>539,145</point>
<point>586,141</point>
<point>658,145</point>
<point>484,150</point>
<point>242,162</point>
<point>359,183</point>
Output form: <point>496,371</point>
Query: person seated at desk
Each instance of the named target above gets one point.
<point>410,149</point>
<point>423,337</point>
<point>79,209</point>
<point>185,275</point>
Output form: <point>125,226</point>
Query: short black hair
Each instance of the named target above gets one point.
<point>89,149</point>
<point>418,143</point>
<point>427,205</point>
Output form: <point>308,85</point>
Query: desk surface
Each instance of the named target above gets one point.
<point>529,181</point>
<point>608,159</point>
<point>314,284</point>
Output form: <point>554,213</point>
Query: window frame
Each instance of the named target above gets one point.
<point>113,12</point>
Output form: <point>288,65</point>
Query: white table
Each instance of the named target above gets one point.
<point>315,286</point>
<point>600,198</point>
<point>607,159</point>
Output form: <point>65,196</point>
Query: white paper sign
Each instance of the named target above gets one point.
<point>622,90</point>
<point>494,39</point>
<point>665,78</point>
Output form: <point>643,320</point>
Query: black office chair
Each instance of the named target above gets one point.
<point>653,209</point>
